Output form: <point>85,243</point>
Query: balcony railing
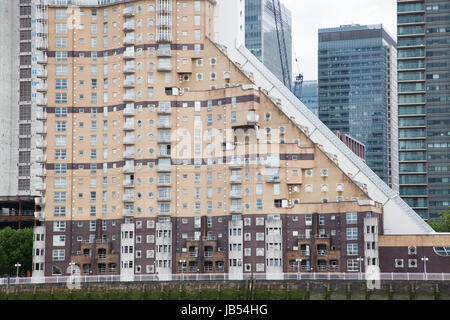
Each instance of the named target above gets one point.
<point>322,268</point>
<point>128,213</point>
<point>128,126</point>
<point>164,197</point>
<point>128,198</point>
<point>42,59</point>
<point>128,140</point>
<point>235,164</point>
<point>164,52</point>
<point>252,119</point>
<point>235,194</point>
<point>164,125</point>
<point>128,26</point>
<point>193,254</point>
<point>41,130</point>
<point>128,97</point>
<point>41,115</point>
<point>128,69</point>
<point>128,169</point>
<point>208,254</point>
<point>128,12</point>
<point>305,253</point>
<point>321,252</point>
<point>128,155</point>
<point>164,139</point>
<point>235,209</point>
<point>41,73</point>
<point>128,83</point>
<point>273,178</point>
<point>235,179</point>
<point>128,55</point>
<point>128,184</point>
<point>164,110</point>
<point>42,87</point>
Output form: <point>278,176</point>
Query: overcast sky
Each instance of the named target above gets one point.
<point>310,15</point>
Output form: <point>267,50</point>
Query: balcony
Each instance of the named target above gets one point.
<point>128,12</point>
<point>164,125</point>
<point>128,126</point>
<point>41,45</point>
<point>42,87</point>
<point>41,158</point>
<point>42,144</point>
<point>164,168</point>
<point>164,67</point>
<point>128,140</point>
<point>165,197</point>
<point>41,73</point>
<point>163,213</point>
<point>321,252</point>
<point>129,155</point>
<point>128,83</point>
<point>128,169</point>
<point>193,254</point>
<point>128,69</point>
<point>128,184</point>
<point>164,139</point>
<point>41,115</point>
<point>41,101</point>
<point>128,212</point>
<point>128,41</point>
<point>128,198</point>
<point>42,173</point>
<point>235,179</point>
<point>164,51</point>
<point>322,268</point>
<point>235,164</point>
<point>42,59</point>
<point>164,154</point>
<point>273,178</point>
<point>252,119</point>
<point>128,112</point>
<point>128,55</point>
<point>305,253</point>
<point>235,194</point>
<point>164,184</point>
<point>164,110</point>
<point>41,186</point>
<point>128,26</point>
<point>41,130</point>
<point>235,209</point>
<point>209,254</point>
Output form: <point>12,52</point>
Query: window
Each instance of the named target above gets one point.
<point>61,42</point>
<point>352,249</point>
<point>351,217</point>
<point>61,70</point>
<point>58,255</point>
<point>352,233</point>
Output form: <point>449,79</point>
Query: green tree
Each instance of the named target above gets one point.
<point>16,246</point>
<point>443,224</point>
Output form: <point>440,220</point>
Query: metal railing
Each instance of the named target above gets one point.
<point>227,276</point>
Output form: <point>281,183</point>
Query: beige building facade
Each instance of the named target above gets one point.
<point>161,156</point>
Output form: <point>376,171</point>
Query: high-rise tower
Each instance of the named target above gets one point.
<point>424,113</point>
<point>358,92</point>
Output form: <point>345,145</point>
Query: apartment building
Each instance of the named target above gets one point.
<point>162,154</point>
<point>17,198</point>
<point>424,115</point>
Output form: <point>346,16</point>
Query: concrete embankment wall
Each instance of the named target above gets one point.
<point>234,290</point>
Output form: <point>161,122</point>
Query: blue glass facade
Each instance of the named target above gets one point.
<point>424,112</point>
<point>261,34</point>
<point>310,96</point>
<point>357,92</point>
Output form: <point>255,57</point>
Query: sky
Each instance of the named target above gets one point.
<point>310,15</point>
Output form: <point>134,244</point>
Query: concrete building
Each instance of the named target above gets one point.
<point>17,197</point>
<point>358,92</point>
<point>424,113</point>
<point>170,148</point>
<point>261,34</point>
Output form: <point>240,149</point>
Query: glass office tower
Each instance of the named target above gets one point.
<point>310,96</point>
<point>261,34</point>
<point>358,91</point>
<point>424,112</point>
